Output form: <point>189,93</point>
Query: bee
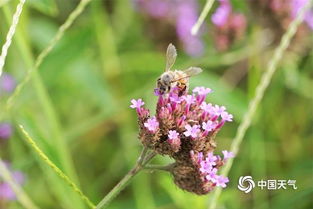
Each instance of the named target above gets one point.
<point>178,78</point>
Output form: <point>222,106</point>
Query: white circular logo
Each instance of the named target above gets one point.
<point>249,181</point>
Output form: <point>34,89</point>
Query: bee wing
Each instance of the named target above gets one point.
<point>192,71</point>
<point>171,55</point>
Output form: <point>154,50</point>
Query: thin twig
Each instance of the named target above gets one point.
<point>265,80</point>
<point>195,28</point>
<point>60,173</point>
<point>69,21</point>
<point>22,197</point>
<point>143,159</point>
<point>10,34</point>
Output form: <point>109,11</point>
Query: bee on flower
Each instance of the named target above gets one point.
<point>184,128</point>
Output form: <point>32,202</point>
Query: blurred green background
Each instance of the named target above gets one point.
<point>77,108</point>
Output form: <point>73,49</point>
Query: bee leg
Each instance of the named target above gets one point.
<point>168,89</point>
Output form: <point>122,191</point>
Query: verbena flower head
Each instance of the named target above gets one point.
<point>181,15</point>
<point>184,128</point>
<point>7,83</point>
<point>6,192</point>
<point>229,26</point>
<point>5,130</point>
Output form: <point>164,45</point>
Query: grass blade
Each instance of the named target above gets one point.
<point>62,175</point>
<point>10,34</point>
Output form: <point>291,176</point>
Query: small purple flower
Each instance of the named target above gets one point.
<point>202,90</point>
<point>208,108</point>
<point>202,93</point>
<point>189,99</point>
<point>136,104</point>
<point>192,131</point>
<point>211,159</point>
<point>208,126</point>
<point>5,130</point>
<point>172,134</point>
<point>174,141</point>
<point>220,16</point>
<point>157,92</point>
<point>7,83</point>
<point>219,109</point>
<point>227,155</point>
<point>211,175</point>
<point>221,181</point>
<point>152,124</point>
<point>227,117</point>
<point>205,167</point>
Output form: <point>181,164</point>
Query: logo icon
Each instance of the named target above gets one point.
<point>247,180</point>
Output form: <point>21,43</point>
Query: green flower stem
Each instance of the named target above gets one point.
<point>22,197</point>
<point>143,159</point>
<point>62,175</point>
<point>260,90</point>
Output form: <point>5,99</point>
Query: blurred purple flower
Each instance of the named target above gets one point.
<point>229,26</point>
<point>7,83</point>
<point>6,192</point>
<point>296,6</point>
<point>184,14</point>
<point>187,15</point>
<point>220,16</point>
<point>155,8</point>
<point>5,130</point>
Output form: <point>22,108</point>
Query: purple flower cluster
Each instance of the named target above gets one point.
<point>184,128</point>
<point>182,14</point>
<point>208,167</point>
<point>229,26</point>
<point>6,192</point>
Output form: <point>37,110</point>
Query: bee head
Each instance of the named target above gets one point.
<point>166,78</point>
